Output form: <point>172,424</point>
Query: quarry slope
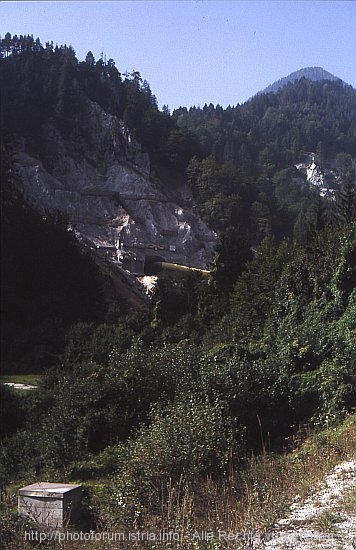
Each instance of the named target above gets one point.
<point>104,186</point>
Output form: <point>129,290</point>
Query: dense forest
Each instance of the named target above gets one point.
<point>215,369</point>
<point>41,83</point>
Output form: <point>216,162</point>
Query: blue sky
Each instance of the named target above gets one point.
<point>196,52</point>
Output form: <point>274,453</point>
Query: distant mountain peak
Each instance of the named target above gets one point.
<point>311,73</point>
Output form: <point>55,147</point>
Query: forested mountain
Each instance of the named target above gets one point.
<point>276,128</point>
<point>72,132</point>
<point>246,169</point>
<point>48,82</point>
<point>239,162</point>
<point>310,73</point>
<point>148,404</point>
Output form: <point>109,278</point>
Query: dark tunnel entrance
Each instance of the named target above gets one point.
<point>151,267</point>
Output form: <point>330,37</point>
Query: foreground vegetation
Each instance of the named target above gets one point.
<point>186,417</point>
<point>180,418</point>
<point>209,513</point>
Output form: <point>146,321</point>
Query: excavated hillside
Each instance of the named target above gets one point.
<point>103,184</point>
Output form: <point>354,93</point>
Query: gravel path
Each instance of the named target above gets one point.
<point>325,521</point>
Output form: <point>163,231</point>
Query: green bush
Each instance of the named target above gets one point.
<point>104,463</point>
<point>254,390</point>
<point>189,440</point>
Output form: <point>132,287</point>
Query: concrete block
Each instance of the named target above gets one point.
<point>50,504</point>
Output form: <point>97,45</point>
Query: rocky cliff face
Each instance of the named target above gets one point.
<point>322,178</point>
<point>103,184</point>
<point>326,176</point>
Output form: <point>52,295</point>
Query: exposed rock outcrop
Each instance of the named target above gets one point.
<point>104,187</point>
<point>324,176</point>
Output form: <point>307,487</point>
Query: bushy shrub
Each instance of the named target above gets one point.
<point>190,440</point>
<point>255,391</point>
<point>337,388</point>
<point>99,465</point>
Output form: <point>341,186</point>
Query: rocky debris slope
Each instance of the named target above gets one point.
<point>325,521</point>
<point>326,177</point>
<point>103,184</point>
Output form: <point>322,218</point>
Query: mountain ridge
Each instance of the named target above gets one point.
<point>311,73</point>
